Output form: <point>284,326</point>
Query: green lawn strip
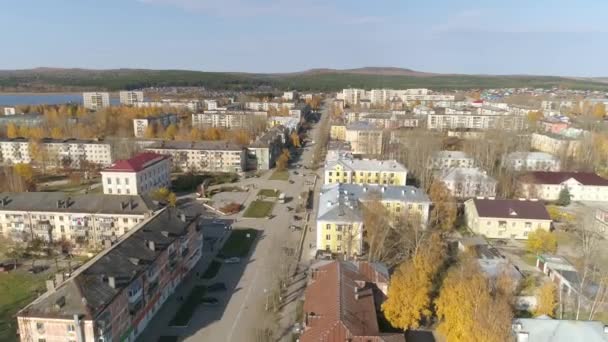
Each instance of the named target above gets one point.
<point>259,209</point>
<point>529,258</point>
<point>280,175</point>
<point>212,270</point>
<point>238,244</point>
<point>184,314</point>
<point>268,193</point>
<point>17,289</point>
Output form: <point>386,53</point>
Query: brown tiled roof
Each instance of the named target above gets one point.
<point>544,177</point>
<point>506,208</point>
<point>333,311</point>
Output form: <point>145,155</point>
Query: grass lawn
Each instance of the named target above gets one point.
<point>238,244</point>
<point>17,289</point>
<point>212,270</point>
<point>529,258</point>
<point>185,312</point>
<point>280,175</point>
<point>268,193</point>
<point>259,209</point>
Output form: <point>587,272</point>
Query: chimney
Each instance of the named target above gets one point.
<point>58,278</point>
<point>357,296</point>
<point>123,205</point>
<point>68,202</point>
<point>50,285</point>
<point>182,217</point>
<point>59,204</point>
<point>151,245</point>
<point>131,204</point>
<point>383,189</point>
<point>112,282</point>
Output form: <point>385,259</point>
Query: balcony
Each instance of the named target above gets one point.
<point>136,306</point>
<point>185,251</point>
<point>135,295</point>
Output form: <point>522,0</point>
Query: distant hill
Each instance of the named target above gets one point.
<point>56,79</point>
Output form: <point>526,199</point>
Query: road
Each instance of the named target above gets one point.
<point>242,312</point>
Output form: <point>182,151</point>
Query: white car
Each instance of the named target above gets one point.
<point>233,260</point>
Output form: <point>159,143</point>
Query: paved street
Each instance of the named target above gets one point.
<point>242,311</point>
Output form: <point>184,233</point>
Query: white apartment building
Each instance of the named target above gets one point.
<point>131,97</point>
<point>80,218</point>
<point>557,144</point>
<point>475,118</point>
<point>140,125</point>
<point>203,156</point>
<point>443,160</point>
<point>257,105</point>
<point>9,111</point>
<point>192,105</point>
<point>365,138</point>
<point>531,161</point>
<point>95,101</point>
<point>383,119</point>
<point>210,104</point>
<point>290,95</point>
<point>142,174</point>
<point>582,186</point>
<point>56,152</point>
<point>228,119</point>
<point>379,97</point>
<point>468,182</point>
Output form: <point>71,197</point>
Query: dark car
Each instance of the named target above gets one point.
<point>210,301</point>
<point>296,217</point>
<point>38,269</point>
<point>216,287</point>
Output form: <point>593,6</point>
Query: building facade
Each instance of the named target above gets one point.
<point>142,174</point>
<point>131,97</point>
<point>468,182</point>
<point>475,118</point>
<point>443,160</point>
<point>581,186</point>
<point>365,171</point>
<point>116,294</point>
<point>203,156</point>
<point>228,120</point>
<point>95,101</point>
<point>531,161</point>
<point>141,125</point>
<point>365,139</point>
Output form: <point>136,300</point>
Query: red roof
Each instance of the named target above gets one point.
<point>508,208</point>
<point>136,163</point>
<point>544,177</point>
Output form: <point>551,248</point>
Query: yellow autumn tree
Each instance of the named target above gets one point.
<point>150,132</point>
<point>541,241</point>
<point>295,139</point>
<point>12,131</point>
<point>283,160</point>
<point>444,212</point>
<point>535,116</point>
<point>546,300</point>
<point>56,133</point>
<point>170,132</point>
<point>599,110</point>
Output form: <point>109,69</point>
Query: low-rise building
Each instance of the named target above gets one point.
<point>337,131</point>
<point>116,294</point>
<point>468,182</point>
<point>140,125</point>
<point>86,219</point>
<point>491,262</point>
<point>96,100</point>
<point>341,303</point>
<point>561,272</point>
<point>141,174</point>
<point>505,218</point>
<point>290,95</point>
<point>265,150</point>
<point>365,138</point>
<point>443,160</point>
<point>9,111</point>
<point>556,144</point>
<point>365,171</point>
<point>547,329</point>
<point>531,161</point>
<point>338,150</point>
<point>29,120</point>
<point>130,97</point>
<point>203,156</point>
<point>582,186</point>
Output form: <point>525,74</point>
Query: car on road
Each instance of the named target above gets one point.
<point>210,301</point>
<point>296,173</point>
<point>38,269</point>
<point>291,182</point>
<point>216,287</point>
<point>233,260</point>
<point>297,218</point>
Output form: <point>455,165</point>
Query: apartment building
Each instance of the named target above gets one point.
<point>95,101</point>
<point>141,174</point>
<point>130,97</point>
<point>260,105</point>
<point>383,119</point>
<point>116,294</point>
<point>505,218</point>
<point>191,105</point>
<point>265,150</point>
<point>475,118</point>
<point>9,111</point>
<point>85,219</point>
<point>545,328</point>
<point>531,161</point>
<point>365,171</point>
<point>337,131</point>
<point>443,160</point>
<point>468,182</point>
<point>141,125</point>
<point>203,156</point>
<point>557,144</point>
<point>290,95</point>
<point>582,186</point>
<point>341,302</point>
<point>29,120</point>
<point>228,119</point>
<point>365,138</point>
<point>55,153</point>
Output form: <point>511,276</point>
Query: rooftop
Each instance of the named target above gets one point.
<point>546,177</point>
<point>366,165</point>
<point>451,155</point>
<point>75,203</point>
<point>546,329</point>
<point>512,209</point>
<point>362,126</point>
<point>460,173</point>
<point>136,163</point>
<point>195,145</point>
<point>532,156</point>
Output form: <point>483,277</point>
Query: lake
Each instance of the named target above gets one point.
<point>48,98</point>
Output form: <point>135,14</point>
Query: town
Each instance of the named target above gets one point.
<point>366,214</point>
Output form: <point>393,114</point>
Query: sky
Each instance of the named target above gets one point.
<point>540,37</point>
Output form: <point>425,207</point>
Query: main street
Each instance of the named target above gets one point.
<point>241,313</point>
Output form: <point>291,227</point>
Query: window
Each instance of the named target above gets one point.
<point>127,181</point>
<point>339,237</point>
<point>117,180</point>
<point>327,237</point>
<point>338,228</point>
<point>128,192</point>
<point>125,220</point>
<point>329,173</point>
<point>528,225</point>
<point>109,180</point>
<point>110,191</point>
<point>71,328</point>
<point>61,218</point>
<point>328,226</point>
<point>42,340</point>
<point>338,248</point>
<point>526,233</point>
<point>40,327</point>
<point>118,191</point>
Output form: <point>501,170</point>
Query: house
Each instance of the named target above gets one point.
<point>141,174</point>
<point>561,272</point>
<point>116,294</point>
<point>468,182</point>
<point>491,262</point>
<point>85,219</point>
<point>531,161</point>
<point>547,329</point>
<point>442,160</point>
<point>341,302</point>
<point>365,171</point>
<point>582,186</point>
<point>505,218</point>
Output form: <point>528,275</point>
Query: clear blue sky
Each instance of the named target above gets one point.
<point>552,37</point>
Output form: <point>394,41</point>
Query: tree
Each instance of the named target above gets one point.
<point>56,133</point>
<point>170,132</point>
<point>150,132</point>
<point>25,171</point>
<point>12,131</point>
<point>599,110</point>
<point>535,116</point>
<point>444,212</point>
<point>283,160</point>
<point>541,241</point>
<point>546,300</point>
<point>172,199</point>
<point>295,140</point>
<point>564,197</point>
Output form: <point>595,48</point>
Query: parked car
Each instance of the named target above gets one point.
<point>210,301</point>
<point>216,287</point>
<point>233,260</point>
<point>38,269</point>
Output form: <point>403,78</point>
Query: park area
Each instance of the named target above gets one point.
<point>17,289</point>
<point>259,209</point>
<point>282,175</point>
